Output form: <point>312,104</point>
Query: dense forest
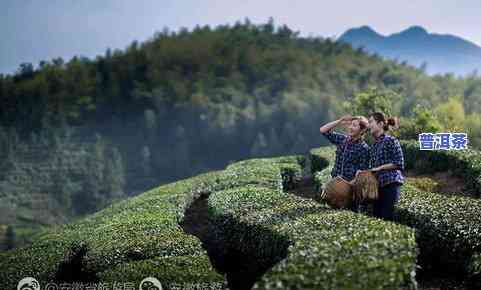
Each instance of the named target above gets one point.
<point>190,101</point>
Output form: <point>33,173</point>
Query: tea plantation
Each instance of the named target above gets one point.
<point>448,228</point>
<point>239,228</point>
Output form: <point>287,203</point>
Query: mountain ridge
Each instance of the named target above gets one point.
<point>443,53</point>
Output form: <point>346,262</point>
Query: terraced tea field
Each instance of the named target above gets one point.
<point>258,224</point>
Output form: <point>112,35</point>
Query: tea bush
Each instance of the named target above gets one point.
<point>124,238</point>
<point>463,163</point>
<point>448,228</point>
<point>313,246</point>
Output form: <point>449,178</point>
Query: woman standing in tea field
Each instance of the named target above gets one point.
<point>352,153</point>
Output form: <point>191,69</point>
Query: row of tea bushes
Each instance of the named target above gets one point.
<point>311,246</point>
<point>322,171</point>
<point>141,236</point>
<point>292,167</point>
<point>463,163</point>
<point>126,241</point>
<point>320,158</point>
<point>321,174</point>
<point>238,174</point>
<point>448,227</point>
<point>448,230</point>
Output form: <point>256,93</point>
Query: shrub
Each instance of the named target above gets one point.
<point>265,225</point>
<point>448,228</point>
<point>126,235</point>
<point>324,248</point>
<point>463,163</point>
<point>177,272</point>
<point>127,239</point>
<point>321,165</point>
<point>312,245</point>
<point>320,158</point>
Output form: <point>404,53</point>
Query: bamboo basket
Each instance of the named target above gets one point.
<point>337,192</point>
<point>365,186</point>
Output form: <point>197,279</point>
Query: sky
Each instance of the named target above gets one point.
<point>35,30</point>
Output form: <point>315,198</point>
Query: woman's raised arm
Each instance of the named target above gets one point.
<point>328,126</point>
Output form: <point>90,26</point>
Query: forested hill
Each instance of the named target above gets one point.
<point>186,102</point>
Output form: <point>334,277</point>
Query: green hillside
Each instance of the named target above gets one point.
<point>186,102</point>
<point>242,228</point>
<point>191,120</point>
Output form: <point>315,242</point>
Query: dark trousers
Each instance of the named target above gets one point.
<point>355,206</point>
<point>389,194</point>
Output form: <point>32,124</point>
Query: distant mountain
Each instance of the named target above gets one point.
<point>442,53</point>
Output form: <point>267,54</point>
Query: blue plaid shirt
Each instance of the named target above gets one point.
<point>351,155</point>
<point>386,149</point>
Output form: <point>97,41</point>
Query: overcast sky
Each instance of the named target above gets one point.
<point>34,30</point>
